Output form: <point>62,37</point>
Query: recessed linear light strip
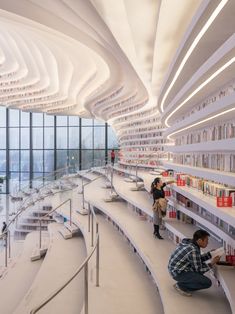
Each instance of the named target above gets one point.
<point>216,73</point>
<point>194,44</point>
<point>200,122</point>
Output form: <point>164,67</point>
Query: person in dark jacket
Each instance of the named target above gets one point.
<point>157,191</point>
<point>4,227</point>
<point>187,265</point>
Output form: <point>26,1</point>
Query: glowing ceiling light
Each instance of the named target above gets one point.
<point>216,73</point>
<point>194,44</point>
<point>200,122</point>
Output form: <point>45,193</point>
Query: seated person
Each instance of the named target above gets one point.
<point>187,265</point>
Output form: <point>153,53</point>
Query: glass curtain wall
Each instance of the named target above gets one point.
<point>35,144</point>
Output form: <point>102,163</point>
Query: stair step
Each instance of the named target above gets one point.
<point>72,228</point>
<point>65,233</point>
<point>107,185</point>
<point>139,186</point>
<point>112,197</point>
<point>39,253</point>
<point>36,255</point>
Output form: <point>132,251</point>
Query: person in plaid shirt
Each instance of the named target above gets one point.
<point>187,265</point>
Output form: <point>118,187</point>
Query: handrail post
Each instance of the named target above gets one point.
<point>89,217</point>
<point>97,256</point>
<point>6,249</point>
<point>83,201</point>
<point>86,289</point>
<point>40,233</point>
<point>92,227</point>
<point>136,173</point>
<point>70,211</point>
<point>111,177</point>
<point>9,244</point>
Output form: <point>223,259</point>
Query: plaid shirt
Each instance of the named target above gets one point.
<point>187,257</point>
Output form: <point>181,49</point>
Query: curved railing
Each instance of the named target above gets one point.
<point>95,247</point>
<point>44,179</point>
<point>25,205</point>
<point>84,265</point>
<point>49,213</point>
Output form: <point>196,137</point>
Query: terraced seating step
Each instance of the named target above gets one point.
<point>67,234</point>
<point>72,228</point>
<point>112,197</point>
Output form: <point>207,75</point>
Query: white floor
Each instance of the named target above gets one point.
<point>125,286</point>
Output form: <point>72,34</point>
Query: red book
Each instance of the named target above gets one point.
<point>180,182</point>
<point>224,201</point>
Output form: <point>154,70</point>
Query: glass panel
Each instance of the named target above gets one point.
<point>87,137</point>
<point>3,138</point>
<point>14,160</point>
<point>13,117</point>
<point>99,122</point>
<point>37,119</point>
<point>49,138</point>
<point>99,137</point>
<point>24,155</point>
<point>24,138</point>
<point>74,159</point>
<point>48,160</point>
<point>112,139</point>
<point>37,161</point>
<point>14,138</point>
<point>2,116</point>
<point>3,185</point>
<point>24,176</point>
<point>24,118</point>
<point>61,138</point>
<point>14,182</point>
<point>37,179</point>
<point>2,160</point>
<point>99,158</point>
<point>37,138</point>
<point>74,121</point>
<point>49,120</point>
<point>87,158</point>
<point>61,156</point>
<point>74,137</point>
<point>87,122</point>
<point>61,120</point>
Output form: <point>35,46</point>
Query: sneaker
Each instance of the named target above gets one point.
<point>182,292</point>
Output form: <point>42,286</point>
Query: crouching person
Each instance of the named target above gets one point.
<point>187,265</point>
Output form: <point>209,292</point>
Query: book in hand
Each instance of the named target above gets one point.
<point>224,263</point>
<point>218,252</point>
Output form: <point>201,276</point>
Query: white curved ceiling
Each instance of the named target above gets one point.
<point>102,58</point>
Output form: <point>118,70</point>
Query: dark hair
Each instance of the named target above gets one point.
<point>156,180</point>
<point>200,234</point>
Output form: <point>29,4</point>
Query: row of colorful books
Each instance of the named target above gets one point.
<point>212,133</point>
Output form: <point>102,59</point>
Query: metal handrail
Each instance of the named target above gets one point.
<point>84,266</point>
<point>111,167</point>
<point>48,214</point>
<point>43,177</point>
<point>4,235</point>
<point>85,184</point>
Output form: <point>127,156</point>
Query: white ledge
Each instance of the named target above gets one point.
<point>206,173</point>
